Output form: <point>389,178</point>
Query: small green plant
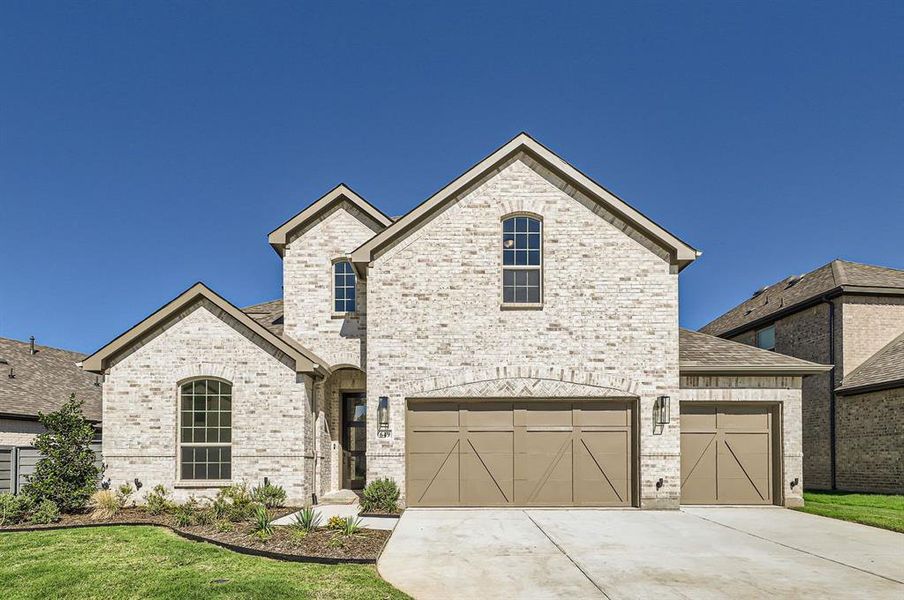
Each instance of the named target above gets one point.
<point>157,501</point>
<point>336,541</point>
<point>104,504</point>
<point>234,503</point>
<point>307,519</point>
<point>271,496</point>
<point>381,495</point>
<point>124,493</point>
<point>46,512</point>
<point>335,522</point>
<point>225,526</point>
<point>351,525</point>
<point>66,472</point>
<point>204,517</point>
<point>13,508</point>
<point>185,514</point>
<point>261,524</point>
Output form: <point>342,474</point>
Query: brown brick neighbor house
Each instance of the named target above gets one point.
<point>850,315</point>
<point>513,340</point>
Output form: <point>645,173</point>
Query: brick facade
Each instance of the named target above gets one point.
<point>871,442</point>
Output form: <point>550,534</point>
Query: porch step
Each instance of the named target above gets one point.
<point>339,497</point>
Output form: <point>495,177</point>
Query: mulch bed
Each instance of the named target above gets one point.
<point>321,545</point>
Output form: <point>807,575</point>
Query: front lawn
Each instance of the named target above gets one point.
<point>879,510</point>
<point>151,562</point>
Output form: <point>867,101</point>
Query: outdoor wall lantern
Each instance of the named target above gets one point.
<point>383,417</point>
<point>661,410</point>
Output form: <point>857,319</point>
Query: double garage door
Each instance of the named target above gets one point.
<point>520,453</point>
<point>727,453</point>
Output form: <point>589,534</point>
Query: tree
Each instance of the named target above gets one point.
<point>65,473</point>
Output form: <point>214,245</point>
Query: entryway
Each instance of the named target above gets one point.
<point>354,440</point>
<point>520,453</point>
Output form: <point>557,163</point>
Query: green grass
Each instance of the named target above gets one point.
<point>151,562</point>
<point>878,510</point>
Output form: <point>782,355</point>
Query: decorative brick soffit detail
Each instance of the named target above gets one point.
<point>512,382</point>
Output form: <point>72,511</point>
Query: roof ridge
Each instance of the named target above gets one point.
<point>838,271</point>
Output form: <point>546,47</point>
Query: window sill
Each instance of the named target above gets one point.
<point>202,483</point>
<point>521,306</point>
<point>348,315</point>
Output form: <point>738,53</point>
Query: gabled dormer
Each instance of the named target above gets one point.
<point>324,303</point>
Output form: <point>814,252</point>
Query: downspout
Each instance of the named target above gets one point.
<point>832,392</point>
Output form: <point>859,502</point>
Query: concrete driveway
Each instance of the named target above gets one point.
<point>692,553</point>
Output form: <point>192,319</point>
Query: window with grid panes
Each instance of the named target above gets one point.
<point>344,287</point>
<point>522,260</point>
<point>205,430</point>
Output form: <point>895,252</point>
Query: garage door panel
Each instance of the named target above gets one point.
<point>520,453</point>
<point>602,468</point>
<point>729,460</point>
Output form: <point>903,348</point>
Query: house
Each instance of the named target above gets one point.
<point>513,340</point>
<point>850,315</point>
<point>37,379</point>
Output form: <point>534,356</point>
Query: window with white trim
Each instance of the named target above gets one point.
<point>344,287</point>
<point>522,260</point>
<point>205,430</point>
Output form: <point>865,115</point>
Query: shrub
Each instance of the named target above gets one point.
<point>157,500</point>
<point>186,514</point>
<point>234,503</point>
<point>271,496</point>
<point>381,495</point>
<point>261,524</point>
<point>13,508</point>
<point>124,493</point>
<point>306,520</point>
<point>46,512</point>
<point>224,526</point>
<point>204,517</point>
<point>66,473</point>
<point>335,522</point>
<point>104,504</point>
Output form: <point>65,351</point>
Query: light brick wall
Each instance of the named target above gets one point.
<point>871,442</point>
<point>271,412</point>
<point>785,391</point>
<point>307,285</point>
<point>19,432</point>
<point>610,311</point>
<point>869,324</point>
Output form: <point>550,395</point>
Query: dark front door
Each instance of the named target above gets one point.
<point>354,440</point>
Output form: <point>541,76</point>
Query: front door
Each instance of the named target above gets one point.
<point>354,440</point>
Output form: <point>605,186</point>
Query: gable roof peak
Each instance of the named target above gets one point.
<point>341,192</point>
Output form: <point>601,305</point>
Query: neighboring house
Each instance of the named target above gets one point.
<point>850,315</point>
<point>37,379</point>
<point>511,341</point>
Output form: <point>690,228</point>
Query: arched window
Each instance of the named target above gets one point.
<point>344,287</point>
<point>205,430</point>
<point>522,260</point>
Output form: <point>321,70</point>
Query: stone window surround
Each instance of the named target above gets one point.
<point>503,305</point>
<point>179,482</point>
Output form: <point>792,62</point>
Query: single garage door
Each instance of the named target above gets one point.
<point>726,453</point>
<point>521,453</point>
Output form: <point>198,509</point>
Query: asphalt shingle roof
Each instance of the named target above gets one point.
<point>881,369</point>
<point>43,381</point>
<point>269,314</point>
<point>701,352</point>
<point>792,291</point>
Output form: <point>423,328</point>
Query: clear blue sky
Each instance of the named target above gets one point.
<point>145,146</point>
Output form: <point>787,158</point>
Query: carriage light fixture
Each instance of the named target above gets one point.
<point>661,411</point>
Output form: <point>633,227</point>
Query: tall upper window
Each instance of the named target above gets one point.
<point>205,430</point>
<point>344,287</point>
<point>522,260</point>
<point>765,338</point>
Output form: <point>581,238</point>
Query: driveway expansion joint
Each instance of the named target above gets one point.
<point>571,560</point>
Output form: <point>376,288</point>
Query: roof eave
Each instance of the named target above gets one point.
<point>870,387</point>
<point>790,370</point>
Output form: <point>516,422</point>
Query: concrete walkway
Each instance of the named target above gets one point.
<point>694,553</point>
<point>344,511</point>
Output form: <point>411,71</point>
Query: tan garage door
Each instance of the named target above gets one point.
<point>726,454</point>
<point>524,453</point>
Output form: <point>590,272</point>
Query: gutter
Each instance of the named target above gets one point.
<point>869,387</point>
<point>790,370</point>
